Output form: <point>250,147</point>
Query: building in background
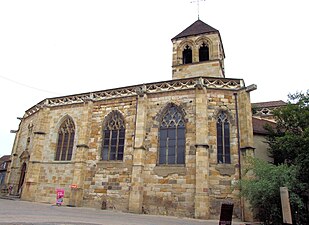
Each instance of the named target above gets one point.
<point>4,171</point>
<point>262,116</point>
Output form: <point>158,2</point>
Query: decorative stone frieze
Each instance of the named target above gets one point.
<point>181,84</point>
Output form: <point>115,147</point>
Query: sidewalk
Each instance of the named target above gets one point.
<point>22,212</point>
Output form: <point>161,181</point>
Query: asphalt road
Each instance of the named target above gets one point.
<point>22,212</point>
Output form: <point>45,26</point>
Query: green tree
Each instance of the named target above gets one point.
<point>289,147</point>
<point>262,190</point>
<point>289,141</point>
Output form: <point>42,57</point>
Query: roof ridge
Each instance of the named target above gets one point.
<point>198,27</point>
<point>268,102</point>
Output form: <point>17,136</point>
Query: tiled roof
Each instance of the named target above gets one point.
<point>268,104</point>
<point>198,27</point>
<point>5,158</point>
<point>258,125</point>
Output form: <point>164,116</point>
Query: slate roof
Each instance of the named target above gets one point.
<point>258,125</point>
<point>269,104</point>
<point>198,27</point>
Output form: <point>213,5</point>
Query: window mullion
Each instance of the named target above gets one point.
<point>176,144</point>
<point>117,145</point>
<point>223,142</point>
<point>166,151</point>
<point>109,144</point>
<point>68,145</point>
<point>58,150</point>
<point>62,143</point>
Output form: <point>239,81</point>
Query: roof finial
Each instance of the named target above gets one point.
<point>198,7</point>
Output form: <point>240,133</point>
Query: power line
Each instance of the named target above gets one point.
<point>28,86</point>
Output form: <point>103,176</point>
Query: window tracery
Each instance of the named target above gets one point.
<point>223,138</point>
<point>172,137</point>
<point>65,143</point>
<point>113,137</point>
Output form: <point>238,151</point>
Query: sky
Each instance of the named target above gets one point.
<point>51,48</point>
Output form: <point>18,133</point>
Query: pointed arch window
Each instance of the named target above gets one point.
<point>187,55</point>
<point>113,137</point>
<point>223,139</point>
<point>65,143</point>
<point>204,53</point>
<point>172,137</point>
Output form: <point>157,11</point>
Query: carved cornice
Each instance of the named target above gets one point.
<point>159,87</point>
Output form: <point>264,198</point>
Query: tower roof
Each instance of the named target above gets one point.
<point>198,27</point>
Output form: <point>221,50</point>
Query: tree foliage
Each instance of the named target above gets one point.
<point>262,190</point>
<point>289,147</point>
<point>289,141</point>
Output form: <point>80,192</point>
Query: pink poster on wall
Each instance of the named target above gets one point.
<point>60,196</point>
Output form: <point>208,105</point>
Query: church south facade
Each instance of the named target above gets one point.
<point>172,147</point>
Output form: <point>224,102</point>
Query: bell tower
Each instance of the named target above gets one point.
<point>198,51</point>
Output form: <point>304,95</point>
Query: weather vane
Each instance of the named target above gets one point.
<point>198,6</point>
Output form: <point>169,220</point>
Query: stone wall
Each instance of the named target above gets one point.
<point>54,176</point>
<point>107,183</point>
<point>137,183</point>
<point>221,175</point>
<point>22,148</point>
<point>212,68</point>
<point>169,190</point>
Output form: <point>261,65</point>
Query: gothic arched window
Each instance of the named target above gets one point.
<point>172,137</point>
<point>223,138</point>
<point>187,55</point>
<point>113,137</point>
<point>204,53</point>
<point>65,143</point>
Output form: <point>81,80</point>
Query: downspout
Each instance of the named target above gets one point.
<point>239,159</point>
<point>135,120</point>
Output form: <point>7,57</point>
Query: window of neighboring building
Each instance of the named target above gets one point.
<point>113,137</point>
<point>2,176</point>
<point>223,138</point>
<point>65,143</point>
<point>187,55</point>
<point>204,53</point>
<point>172,137</point>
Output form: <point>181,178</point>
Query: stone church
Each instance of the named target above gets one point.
<point>173,147</point>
